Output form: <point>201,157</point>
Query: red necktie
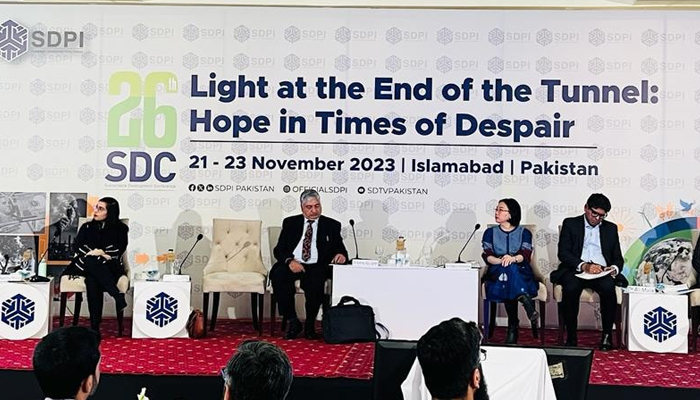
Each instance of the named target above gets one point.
<point>306,246</point>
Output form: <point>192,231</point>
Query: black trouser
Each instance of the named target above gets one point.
<point>572,288</point>
<point>512,312</point>
<point>99,278</point>
<point>312,282</point>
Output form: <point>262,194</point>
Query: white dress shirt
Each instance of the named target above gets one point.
<point>592,251</point>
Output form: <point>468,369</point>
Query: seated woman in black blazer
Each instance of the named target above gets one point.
<point>98,257</point>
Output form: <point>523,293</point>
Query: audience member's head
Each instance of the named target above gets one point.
<point>67,363</point>
<point>450,357</point>
<point>257,371</point>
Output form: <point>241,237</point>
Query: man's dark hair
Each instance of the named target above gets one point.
<point>448,354</point>
<point>258,371</point>
<point>64,358</point>
<point>598,200</point>
<point>112,210</point>
<point>513,210</point>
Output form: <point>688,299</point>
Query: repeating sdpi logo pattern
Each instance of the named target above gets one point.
<point>161,309</point>
<point>660,324</point>
<point>17,311</point>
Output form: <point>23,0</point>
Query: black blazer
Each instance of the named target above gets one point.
<point>328,239</point>
<point>571,246</point>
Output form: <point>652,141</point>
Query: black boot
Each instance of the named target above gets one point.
<point>529,307</point>
<point>120,299</point>
<point>512,336</point>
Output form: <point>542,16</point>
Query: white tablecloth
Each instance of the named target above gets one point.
<point>410,300</point>
<point>510,373</point>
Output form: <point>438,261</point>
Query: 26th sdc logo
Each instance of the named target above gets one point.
<point>142,117</point>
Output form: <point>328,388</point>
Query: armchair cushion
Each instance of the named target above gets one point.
<point>252,282</point>
<point>695,298</point>
<point>77,284</point>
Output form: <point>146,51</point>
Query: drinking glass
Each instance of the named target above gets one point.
<point>428,256</point>
<point>379,251</point>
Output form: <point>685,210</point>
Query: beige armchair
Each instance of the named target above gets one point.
<point>235,265</point>
<point>273,234</point>
<point>76,285</point>
<point>588,296</point>
<point>541,298</point>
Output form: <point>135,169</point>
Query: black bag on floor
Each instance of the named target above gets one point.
<point>349,322</point>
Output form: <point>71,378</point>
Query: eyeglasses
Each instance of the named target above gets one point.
<point>500,210</point>
<point>597,215</point>
<point>224,375</point>
<point>482,355</point>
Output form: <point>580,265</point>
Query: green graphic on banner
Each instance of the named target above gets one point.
<point>143,127</point>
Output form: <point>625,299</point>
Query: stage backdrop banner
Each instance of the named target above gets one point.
<point>411,122</point>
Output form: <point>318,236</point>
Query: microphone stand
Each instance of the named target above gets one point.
<point>199,237</point>
<point>459,256</point>
<point>354,236</point>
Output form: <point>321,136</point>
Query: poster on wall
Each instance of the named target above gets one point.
<point>65,210</point>
<point>412,123</point>
<point>22,212</point>
<point>19,253</point>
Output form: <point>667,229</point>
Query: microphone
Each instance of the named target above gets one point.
<point>459,257</point>
<point>199,237</point>
<point>354,236</point>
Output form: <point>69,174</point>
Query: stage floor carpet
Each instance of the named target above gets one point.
<point>208,355</point>
<point>316,359</point>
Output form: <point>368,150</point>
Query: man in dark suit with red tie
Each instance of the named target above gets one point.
<point>308,243</point>
<point>589,243</point>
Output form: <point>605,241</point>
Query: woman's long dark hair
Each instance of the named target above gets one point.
<point>112,210</point>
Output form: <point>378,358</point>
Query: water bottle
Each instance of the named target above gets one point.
<point>651,279</point>
<point>401,256</point>
<point>169,261</point>
<point>42,268</point>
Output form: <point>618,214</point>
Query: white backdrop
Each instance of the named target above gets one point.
<point>57,102</point>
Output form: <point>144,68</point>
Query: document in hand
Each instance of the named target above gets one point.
<point>588,277</point>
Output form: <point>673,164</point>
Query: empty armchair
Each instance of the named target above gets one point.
<point>235,265</point>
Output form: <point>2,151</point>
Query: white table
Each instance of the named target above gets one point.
<point>410,300</point>
<point>161,309</point>
<point>509,372</point>
<point>26,309</point>
<point>657,322</point>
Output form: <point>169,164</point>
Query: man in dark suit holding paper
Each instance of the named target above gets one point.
<point>308,243</point>
<point>589,244</point>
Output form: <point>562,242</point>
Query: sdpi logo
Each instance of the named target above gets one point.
<point>14,40</point>
<point>660,324</point>
<point>17,311</point>
<point>138,121</point>
<point>161,309</point>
